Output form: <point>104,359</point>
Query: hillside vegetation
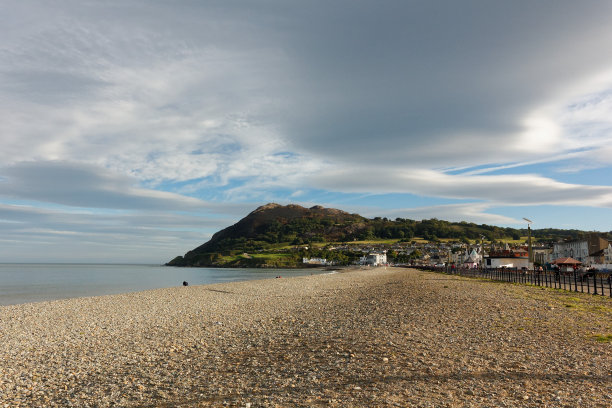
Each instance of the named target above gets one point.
<point>270,235</point>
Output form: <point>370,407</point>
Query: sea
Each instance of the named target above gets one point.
<point>26,283</point>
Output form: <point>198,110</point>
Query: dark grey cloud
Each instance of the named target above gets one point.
<point>66,211</point>
<point>424,81</point>
<point>50,87</point>
<point>92,187</point>
<point>401,78</point>
<point>84,185</point>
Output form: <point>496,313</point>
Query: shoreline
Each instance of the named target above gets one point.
<point>362,337</point>
<point>33,283</point>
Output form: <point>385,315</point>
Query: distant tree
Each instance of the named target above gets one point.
<point>416,254</point>
<point>368,233</point>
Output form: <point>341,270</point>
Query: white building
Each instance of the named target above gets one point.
<point>507,258</point>
<point>471,260</point>
<point>578,250</point>
<point>543,255</point>
<point>608,254</point>
<point>316,261</point>
<point>587,251</point>
<point>374,259</point>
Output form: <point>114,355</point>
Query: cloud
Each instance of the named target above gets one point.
<point>69,235</point>
<point>53,233</point>
<point>200,91</point>
<point>113,90</point>
<point>65,212</point>
<point>150,107</point>
<point>430,86</point>
<point>84,185</point>
<point>513,189</point>
<point>141,93</point>
<point>468,212</point>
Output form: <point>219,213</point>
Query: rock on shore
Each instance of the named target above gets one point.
<point>378,337</point>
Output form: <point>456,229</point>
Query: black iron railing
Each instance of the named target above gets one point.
<point>596,283</point>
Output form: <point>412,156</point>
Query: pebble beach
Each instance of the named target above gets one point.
<point>379,337</point>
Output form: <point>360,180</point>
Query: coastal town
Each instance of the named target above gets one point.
<point>592,252</point>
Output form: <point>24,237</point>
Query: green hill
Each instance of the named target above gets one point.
<point>272,227</point>
<point>269,236</point>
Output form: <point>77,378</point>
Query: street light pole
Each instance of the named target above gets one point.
<point>529,249</point>
<point>482,238</point>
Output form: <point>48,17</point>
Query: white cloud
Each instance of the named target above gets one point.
<point>240,101</point>
<point>78,212</point>
<point>523,189</point>
<point>140,93</point>
<point>160,107</point>
<point>52,233</point>
<point>469,212</point>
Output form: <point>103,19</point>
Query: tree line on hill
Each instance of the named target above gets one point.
<point>321,230</point>
<point>275,228</point>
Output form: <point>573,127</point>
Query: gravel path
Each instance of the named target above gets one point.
<point>362,338</point>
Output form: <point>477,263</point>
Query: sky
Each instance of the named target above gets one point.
<point>132,130</point>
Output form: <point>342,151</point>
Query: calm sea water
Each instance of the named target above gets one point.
<point>24,283</point>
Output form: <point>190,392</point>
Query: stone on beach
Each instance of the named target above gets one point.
<point>378,337</point>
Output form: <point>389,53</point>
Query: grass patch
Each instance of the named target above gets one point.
<point>579,302</point>
<point>256,260</point>
<point>371,242</point>
<point>270,256</point>
<point>603,338</point>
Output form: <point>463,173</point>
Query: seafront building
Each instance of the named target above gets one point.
<point>588,251</point>
<point>316,261</point>
<point>608,254</point>
<point>374,259</point>
<point>542,255</point>
<point>472,260</point>
<point>593,252</point>
<point>507,258</point>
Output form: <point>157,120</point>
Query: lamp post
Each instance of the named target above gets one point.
<point>482,239</point>
<point>530,251</point>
